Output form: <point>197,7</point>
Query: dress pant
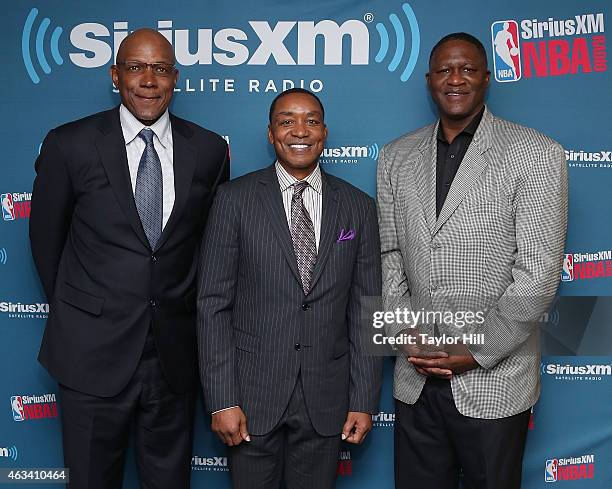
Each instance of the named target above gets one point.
<point>434,442</point>
<point>293,453</point>
<point>96,431</point>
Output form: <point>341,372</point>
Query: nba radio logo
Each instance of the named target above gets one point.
<point>567,272</point>
<point>8,209</point>
<point>17,406</point>
<point>506,50</point>
<point>550,472</point>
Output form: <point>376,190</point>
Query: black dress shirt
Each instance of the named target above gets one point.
<point>450,157</point>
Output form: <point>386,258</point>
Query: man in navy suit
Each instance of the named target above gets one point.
<point>119,203</point>
<point>288,257</point>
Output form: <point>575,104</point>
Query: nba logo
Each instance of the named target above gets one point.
<point>567,272</point>
<point>550,472</point>
<point>8,211</point>
<point>17,406</point>
<point>506,50</point>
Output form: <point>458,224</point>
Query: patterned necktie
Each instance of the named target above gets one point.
<point>149,190</point>
<point>303,236</point>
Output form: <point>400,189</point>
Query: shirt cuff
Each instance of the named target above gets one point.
<point>224,409</point>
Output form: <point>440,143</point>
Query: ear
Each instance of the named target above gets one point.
<point>270,136</point>
<point>488,77</point>
<point>114,73</point>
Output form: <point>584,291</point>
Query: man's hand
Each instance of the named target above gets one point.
<point>231,426</point>
<point>444,367</point>
<point>417,349</point>
<point>356,427</point>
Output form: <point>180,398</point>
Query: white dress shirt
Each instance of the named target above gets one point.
<point>162,141</point>
<point>312,196</point>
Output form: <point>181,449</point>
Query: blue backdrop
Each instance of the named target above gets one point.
<point>366,60</point>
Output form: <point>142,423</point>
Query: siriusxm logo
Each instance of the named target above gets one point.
<point>17,310</point>
<point>588,155</point>
<point>383,419</point>
<point>9,452</point>
<point>93,45</point>
<point>12,307</point>
<point>209,463</point>
<point>557,369</point>
<point>352,152</point>
<point>3,256</point>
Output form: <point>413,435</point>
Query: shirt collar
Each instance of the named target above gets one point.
<point>285,180</point>
<point>131,127</point>
<point>469,129</point>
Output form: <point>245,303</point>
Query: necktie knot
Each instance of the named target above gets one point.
<point>146,135</point>
<point>298,188</point>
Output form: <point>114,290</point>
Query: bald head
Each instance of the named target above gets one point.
<point>145,37</point>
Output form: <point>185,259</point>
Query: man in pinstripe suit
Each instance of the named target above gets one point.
<point>472,215</point>
<point>288,257</point>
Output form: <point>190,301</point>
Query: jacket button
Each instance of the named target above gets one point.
<point>152,302</point>
<point>297,347</point>
<point>153,258</point>
<point>305,307</point>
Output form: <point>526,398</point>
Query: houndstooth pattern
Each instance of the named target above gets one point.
<point>303,236</point>
<point>148,193</point>
<point>496,246</point>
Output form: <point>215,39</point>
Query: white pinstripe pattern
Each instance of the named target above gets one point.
<point>251,310</point>
<point>497,246</point>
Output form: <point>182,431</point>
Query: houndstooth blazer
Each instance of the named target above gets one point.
<point>496,247</point>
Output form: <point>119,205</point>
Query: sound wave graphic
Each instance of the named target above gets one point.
<point>400,45</point>
<point>3,256</point>
<point>373,151</point>
<point>39,42</point>
<point>13,453</point>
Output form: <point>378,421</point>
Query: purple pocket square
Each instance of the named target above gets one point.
<point>346,236</point>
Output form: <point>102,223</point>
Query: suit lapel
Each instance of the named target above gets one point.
<point>424,168</point>
<point>329,228</point>
<point>184,163</point>
<point>272,201</point>
<point>111,148</point>
<point>471,167</point>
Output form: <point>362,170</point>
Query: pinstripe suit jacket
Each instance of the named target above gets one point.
<point>253,313</point>
<point>496,247</point>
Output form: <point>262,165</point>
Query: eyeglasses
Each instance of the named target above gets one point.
<point>137,68</point>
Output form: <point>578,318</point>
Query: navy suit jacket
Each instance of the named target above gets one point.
<point>105,285</point>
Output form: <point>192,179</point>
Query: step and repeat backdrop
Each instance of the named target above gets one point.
<point>366,60</point>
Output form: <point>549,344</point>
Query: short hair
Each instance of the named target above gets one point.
<point>289,92</point>
<point>461,36</point>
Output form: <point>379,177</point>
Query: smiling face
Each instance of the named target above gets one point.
<point>145,94</point>
<point>298,133</point>
<point>458,80</point>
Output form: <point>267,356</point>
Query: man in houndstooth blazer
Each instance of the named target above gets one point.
<point>483,234</point>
